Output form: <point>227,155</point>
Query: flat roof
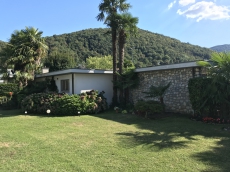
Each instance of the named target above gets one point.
<point>69,71</point>
<point>97,71</point>
<point>168,67</point>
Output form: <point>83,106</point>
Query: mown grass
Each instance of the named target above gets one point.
<point>110,142</point>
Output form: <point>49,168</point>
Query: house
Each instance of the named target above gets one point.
<point>76,81</point>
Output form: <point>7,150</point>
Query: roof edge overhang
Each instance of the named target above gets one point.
<point>77,71</point>
<point>168,67</point>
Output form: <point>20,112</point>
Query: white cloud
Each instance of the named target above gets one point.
<point>186,2</point>
<point>171,5</point>
<point>206,10</point>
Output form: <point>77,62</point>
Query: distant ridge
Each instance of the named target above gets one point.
<point>221,48</point>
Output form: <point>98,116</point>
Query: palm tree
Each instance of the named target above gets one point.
<point>24,51</point>
<point>126,27</point>
<point>157,91</point>
<point>110,8</point>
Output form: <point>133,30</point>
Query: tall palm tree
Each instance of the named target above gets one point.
<point>127,25</point>
<point>24,51</point>
<point>108,11</point>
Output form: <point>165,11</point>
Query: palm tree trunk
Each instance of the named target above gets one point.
<point>114,46</point>
<point>121,50</point>
<point>121,60</point>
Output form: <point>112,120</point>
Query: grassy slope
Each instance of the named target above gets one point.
<point>110,142</point>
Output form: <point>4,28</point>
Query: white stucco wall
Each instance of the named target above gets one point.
<point>63,77</point>
<point>100,82</point>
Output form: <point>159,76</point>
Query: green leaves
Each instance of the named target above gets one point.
<point>105,63</point>
<point>216,95</point>
<point>157,91</point>
<point>24,51</point>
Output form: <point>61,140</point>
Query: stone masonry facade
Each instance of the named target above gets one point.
<point>176,98</point>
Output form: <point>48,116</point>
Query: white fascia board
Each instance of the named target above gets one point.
<point>68,71</point>
<point>168,67</point>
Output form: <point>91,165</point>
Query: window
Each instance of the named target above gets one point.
<point>65,85</point>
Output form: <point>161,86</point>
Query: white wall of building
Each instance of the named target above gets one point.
<point>63,77</point>
<point>100,82</point>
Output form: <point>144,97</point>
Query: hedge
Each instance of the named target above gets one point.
<point>197,90</point>
<point>6,88</point>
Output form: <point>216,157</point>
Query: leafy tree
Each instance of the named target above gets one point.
<point>99,63</point>
<point>59,61</point>
<point>24,52</point>
<point>110,8</point>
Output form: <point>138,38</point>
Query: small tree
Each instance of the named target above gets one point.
<point>59,61</point>
<point>158,92</point>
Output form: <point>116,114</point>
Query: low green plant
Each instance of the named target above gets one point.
<point>148,107</point>
<point>158,92</point>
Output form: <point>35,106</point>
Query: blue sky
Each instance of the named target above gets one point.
<point>200,22</point>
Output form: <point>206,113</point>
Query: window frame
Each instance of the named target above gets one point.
<point>65,85</point>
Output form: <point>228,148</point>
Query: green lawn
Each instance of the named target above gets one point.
<point>110,142</point>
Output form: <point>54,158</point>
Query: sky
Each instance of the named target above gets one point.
<point>199,22</point>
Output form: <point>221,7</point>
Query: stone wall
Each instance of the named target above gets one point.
<point>176,98</point>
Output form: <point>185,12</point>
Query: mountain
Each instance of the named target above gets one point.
<point>221,48</point>
<point>147,49</point>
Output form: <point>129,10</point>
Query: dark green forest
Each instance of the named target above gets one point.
<point>146,49</point>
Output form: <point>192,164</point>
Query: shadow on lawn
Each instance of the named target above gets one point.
<point>157,135</point>
<point>217,158</point>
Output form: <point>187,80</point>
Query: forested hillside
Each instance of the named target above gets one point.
<point>221,48</point>
<point>147,49</point>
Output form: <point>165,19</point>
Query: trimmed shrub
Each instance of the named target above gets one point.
<point>38,103</point>
<point>149,107</point>
<point>9,104</point>
<point>6,88</point>
<point>197,94</point>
